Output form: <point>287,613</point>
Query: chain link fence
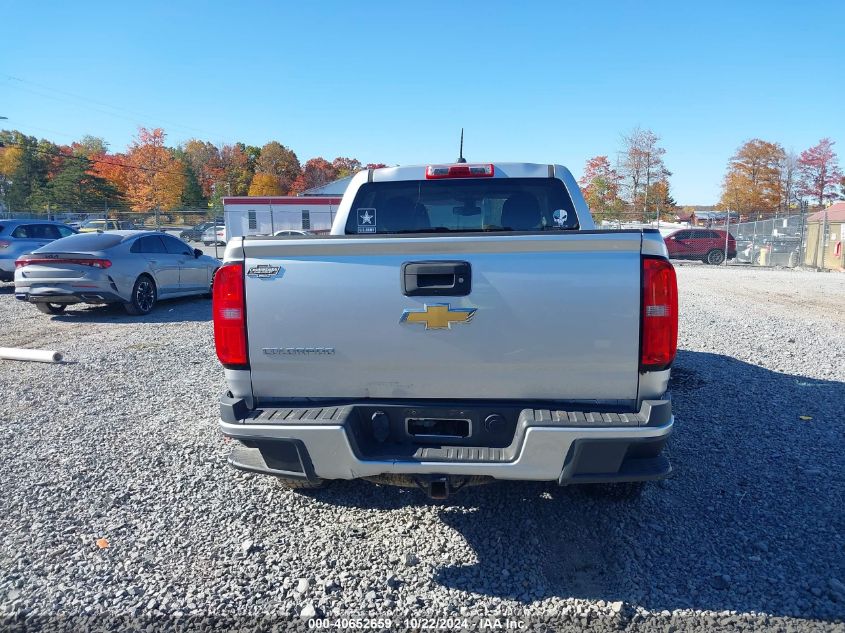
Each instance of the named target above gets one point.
<point>804,240</point>
<point>809,240</point>
<point>771,241</point>
<point>190,224</point>
<point>153,219</point>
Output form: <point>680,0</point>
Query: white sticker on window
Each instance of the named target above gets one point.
<point>366,220</point>
<point>560,216</point>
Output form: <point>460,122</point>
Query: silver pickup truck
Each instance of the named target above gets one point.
<point>460,323</point>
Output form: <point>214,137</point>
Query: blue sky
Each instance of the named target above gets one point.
<point>395,81</point>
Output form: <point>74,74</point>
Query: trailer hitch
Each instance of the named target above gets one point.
<point>437,486</point>
<point>434,486</point>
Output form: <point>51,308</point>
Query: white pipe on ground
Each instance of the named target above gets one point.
<point>37,355</point>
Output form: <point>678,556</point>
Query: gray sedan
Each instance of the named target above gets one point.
<point>134,268</point>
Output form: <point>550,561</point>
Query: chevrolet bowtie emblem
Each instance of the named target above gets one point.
<point>438,316</point>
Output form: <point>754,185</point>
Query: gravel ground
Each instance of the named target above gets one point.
<point>121,444</point>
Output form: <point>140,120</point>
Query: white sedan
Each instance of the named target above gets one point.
<point>214,235</point>
<point>286,232</point>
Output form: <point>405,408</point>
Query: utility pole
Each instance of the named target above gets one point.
<point>727,234</point>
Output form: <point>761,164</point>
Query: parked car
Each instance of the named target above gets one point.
<point>777,250</point>
<point>291,232</point>
<point>134,268</point>
<point>18,237</point>
<point>93,226</point>
<point>195,233</point>
<point>76,221</point>
<point>214,235</point>
<point>708,245</point>
<point>745,247</point>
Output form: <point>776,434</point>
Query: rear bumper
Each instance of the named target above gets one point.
<point>64,294</point>
<point>547,445</point>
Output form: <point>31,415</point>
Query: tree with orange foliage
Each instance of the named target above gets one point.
<point>10,159</point>
<point>155,179</point>
<point>317,171</point>
<point>279,161</point>
<point>204,159</point>
<point>600,185</point>
<point>265,185</point>
<point>753,181</point>
<point>344,167</point>
<point>237,173</point>
<point>112,167</point>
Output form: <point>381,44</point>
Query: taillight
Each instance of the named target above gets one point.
<point>659,341</point>
<point>93,263</point>
<point>229,312</point>
<point>459,170</point>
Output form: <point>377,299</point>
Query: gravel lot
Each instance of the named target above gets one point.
<point>121,444</point>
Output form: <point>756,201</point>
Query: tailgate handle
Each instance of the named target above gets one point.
<point>436,279</point>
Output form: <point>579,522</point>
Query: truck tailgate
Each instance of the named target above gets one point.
<point>556,318</point>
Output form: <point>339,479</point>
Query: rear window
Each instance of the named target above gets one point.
<point>148,244</point>
<point>37,232</point>
<point>497,204</point>
<point>82,242</point>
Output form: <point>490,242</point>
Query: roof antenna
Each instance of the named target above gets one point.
<point>461,158</point>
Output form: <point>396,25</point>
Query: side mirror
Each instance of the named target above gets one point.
<point>198,253</point>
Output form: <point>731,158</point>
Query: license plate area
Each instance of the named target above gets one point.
<point>438,428</point>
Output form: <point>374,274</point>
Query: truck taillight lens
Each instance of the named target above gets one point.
<point>659,341</point>
<point>228,307</point>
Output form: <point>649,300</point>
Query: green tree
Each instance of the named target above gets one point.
<point>74,188</point>
<point>252,153</point>
<point>192,194</point>
<point>38,198</point>
<point>89,146</point>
